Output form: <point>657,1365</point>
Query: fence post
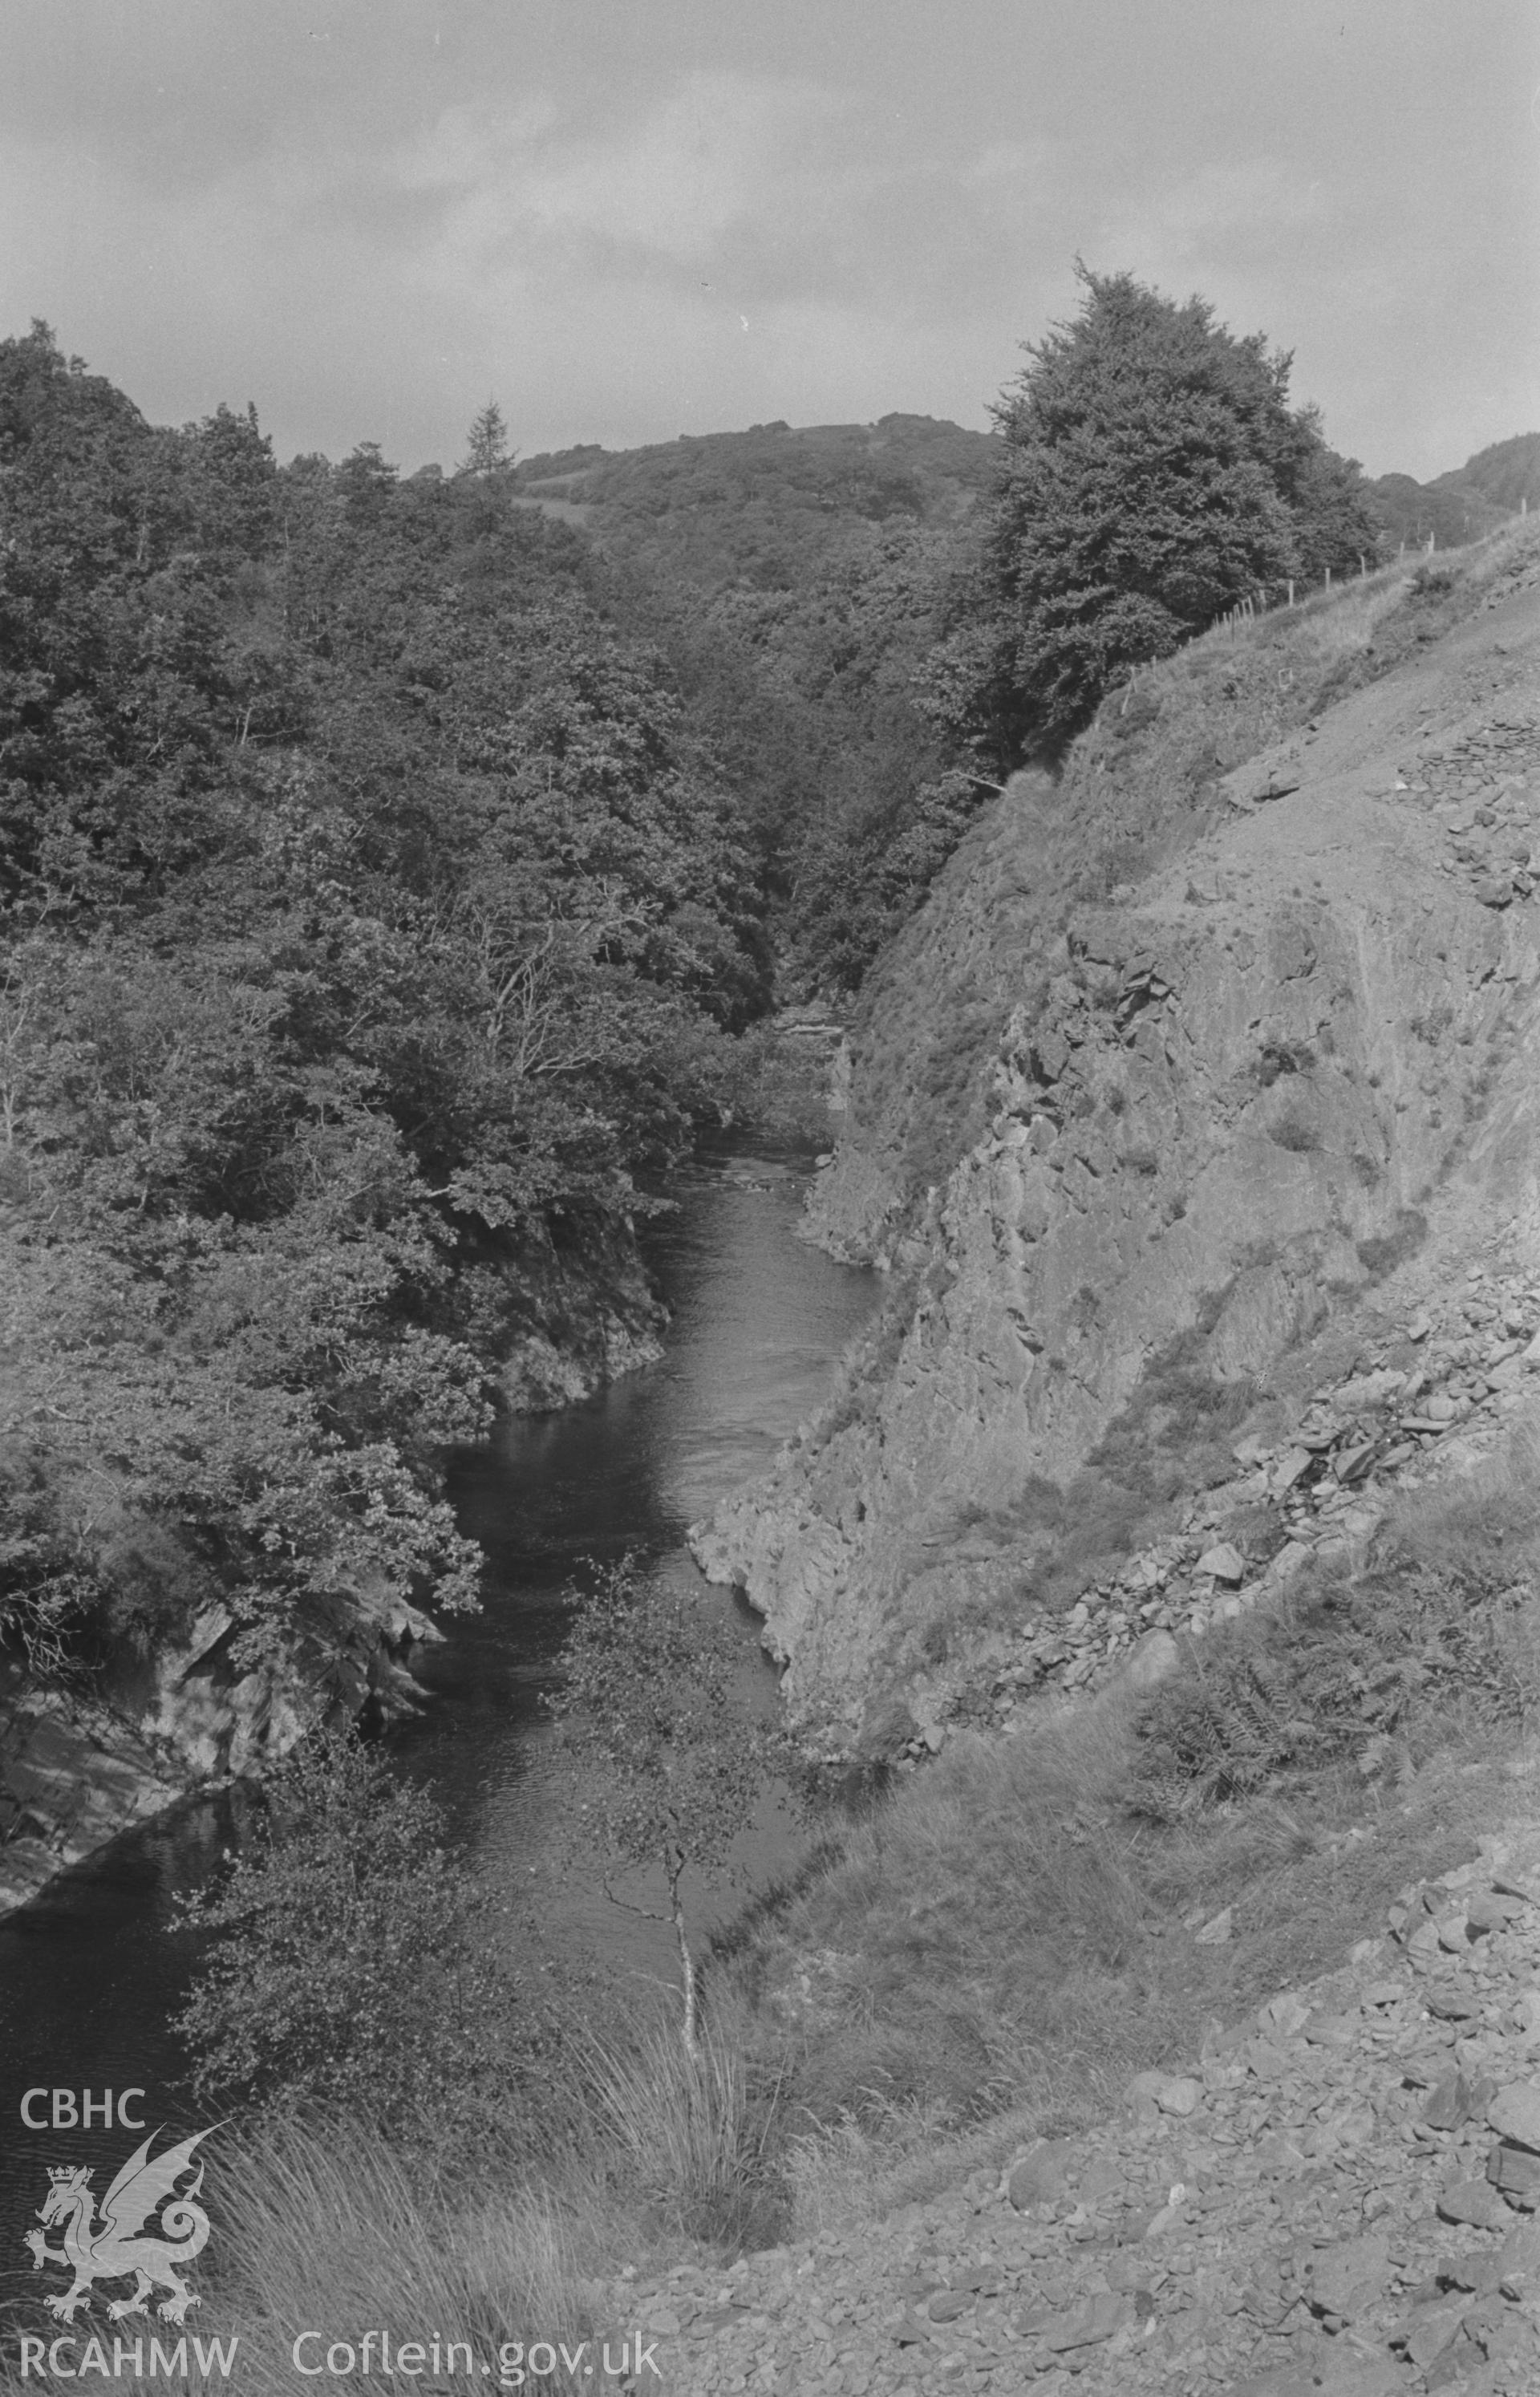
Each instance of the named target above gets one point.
<point>1328,578</point>
<point>1291,590</point>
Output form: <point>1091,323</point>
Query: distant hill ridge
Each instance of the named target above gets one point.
<point>764,504</point>
<point>1468,501</point>
<point>933,440</point>
<point>930,469</point>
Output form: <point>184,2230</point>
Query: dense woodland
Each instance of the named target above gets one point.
<point>795,578</point>
<point>371,906</point>
<point>389,870</point>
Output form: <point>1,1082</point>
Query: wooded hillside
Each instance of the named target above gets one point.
<point>374,918</point>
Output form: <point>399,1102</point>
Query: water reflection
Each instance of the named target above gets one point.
<point>758,1321</point>
<point>89,1978</point>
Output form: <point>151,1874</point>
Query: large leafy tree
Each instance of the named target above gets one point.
<point>1154,474</point>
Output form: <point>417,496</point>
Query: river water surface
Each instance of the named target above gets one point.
<point>90,1975</point>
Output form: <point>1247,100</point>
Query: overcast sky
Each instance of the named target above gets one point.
<point>629,219</point>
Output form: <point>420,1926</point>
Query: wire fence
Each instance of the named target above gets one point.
<point>1297,592</point>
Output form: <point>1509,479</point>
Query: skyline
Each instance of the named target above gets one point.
<point>370,216</point>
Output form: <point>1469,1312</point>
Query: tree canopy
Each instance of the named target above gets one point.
<point>794,578</point>
<point>351,1964</point>
<point>373,915</point>
<point>1154,473</point>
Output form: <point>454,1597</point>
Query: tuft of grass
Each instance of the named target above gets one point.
<point>324,2227</point>
<point>977,1908</point>
<point>1293,1132</point>
<point>850,2171</point>
<point>1382,1256</point>
<point>697,2136</point>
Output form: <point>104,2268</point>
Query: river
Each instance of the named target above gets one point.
<point>90,1975</point>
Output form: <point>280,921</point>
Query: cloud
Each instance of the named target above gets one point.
<point>626,228</point>
<point>783,191</point>
<point>596,276</point>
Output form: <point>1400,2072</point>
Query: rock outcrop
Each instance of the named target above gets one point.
<point>1226,1105</point>
<point>582,1315</point>
<point>76,1769</point>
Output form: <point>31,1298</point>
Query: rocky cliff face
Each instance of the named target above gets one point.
<point>77,1769</point>
<point>584,1316</point>
<point>1218,1108</point>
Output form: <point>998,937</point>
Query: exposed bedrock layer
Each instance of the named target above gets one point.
<point>583,1315</point>
<point>77,1767</point>
<point>1227,1106</point>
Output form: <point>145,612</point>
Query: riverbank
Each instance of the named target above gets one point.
<point>71,1777</point>
<point>90,1975</point>
<point>150,1725</point>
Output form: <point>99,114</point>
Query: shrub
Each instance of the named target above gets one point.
<point>350,1963</point>
<point>1441,1622</point>
<point>1382,1254</point>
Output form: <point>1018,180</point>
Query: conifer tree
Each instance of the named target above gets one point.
<point>487,449</point>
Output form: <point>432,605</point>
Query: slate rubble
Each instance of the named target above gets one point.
<point>1484,785</point>
<point>1341,2201</point>
<point>1466,1365</point>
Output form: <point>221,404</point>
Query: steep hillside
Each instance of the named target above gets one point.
<point>1466,502</point>
<point>1180,1059</point>
<point>373,923</point>
<point>795,579</point>
<point>1507,474</point>
<point>799,579</point>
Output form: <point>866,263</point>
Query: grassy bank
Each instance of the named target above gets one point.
<point>1016,1924</point>
<point>990,1953</point>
